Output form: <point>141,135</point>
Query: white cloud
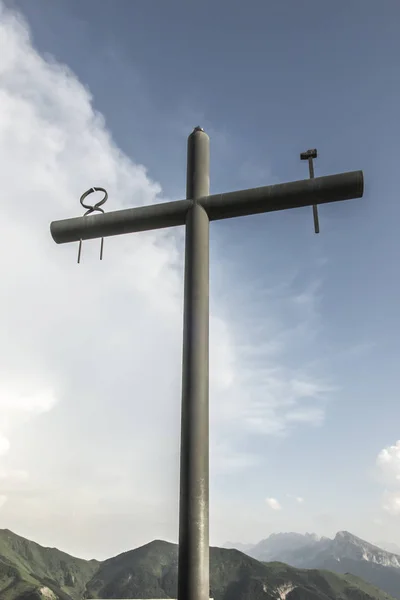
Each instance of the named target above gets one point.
<point>90,370</point>
<point>391,503</point>
<point>4,445</point>
<point>388,467</point>
<point>17,399</point>
<point>273,503</point>
<point>388,463</point>
<point>16,476</point>
<point>3,500</point>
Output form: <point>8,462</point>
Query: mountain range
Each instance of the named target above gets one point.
<point>29,571</point>
<point>345,553</point>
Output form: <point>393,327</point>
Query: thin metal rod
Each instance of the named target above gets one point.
<point>295,194</point>
<point>311,167</point>
<point>79,251</point>
<point>193,564</point>
<point>316,218</point>
<point>315,207</point>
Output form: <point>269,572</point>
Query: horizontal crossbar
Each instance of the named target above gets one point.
<point>307,192</point>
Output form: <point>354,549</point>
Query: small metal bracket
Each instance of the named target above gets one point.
<point>90,209</point>
<point>309,155</point>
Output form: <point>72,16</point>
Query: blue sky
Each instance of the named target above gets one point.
<point>312,319</point>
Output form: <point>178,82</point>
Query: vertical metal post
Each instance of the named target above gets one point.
<point>193,565</point>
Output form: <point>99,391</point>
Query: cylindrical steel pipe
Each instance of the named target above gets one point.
<point>193,564</point>
<point>131,220</point>
<point>306,192</point>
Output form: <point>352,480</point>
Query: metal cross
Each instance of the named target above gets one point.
<point>196,212</point>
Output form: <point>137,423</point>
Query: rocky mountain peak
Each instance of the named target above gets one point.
<point>347,545</point>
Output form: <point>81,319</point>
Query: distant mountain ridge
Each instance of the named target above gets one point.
<point>238,546</point>
<point>280,544</point>
<point>30,572</point>
<point>345,553</point>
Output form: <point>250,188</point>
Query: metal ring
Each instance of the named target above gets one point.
<point>95,207</point>
<point>91,209</point>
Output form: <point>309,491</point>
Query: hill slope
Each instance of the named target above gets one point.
<point>151,572</point>
<point>25,565</point>
<point>31,572</point>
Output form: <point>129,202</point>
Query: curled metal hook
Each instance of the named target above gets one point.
<point>90,209</point>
